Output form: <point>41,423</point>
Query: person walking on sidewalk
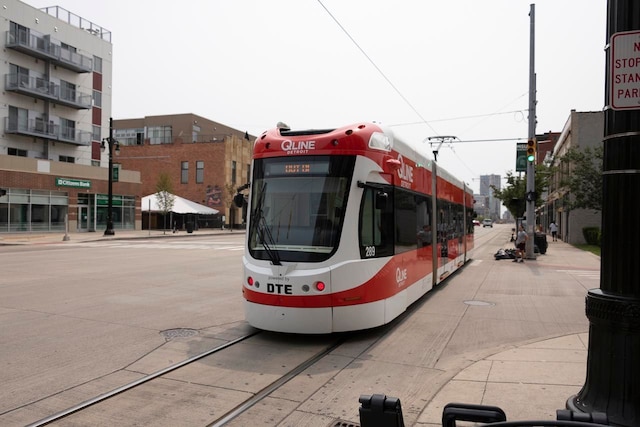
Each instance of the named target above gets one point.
<point>521,241</point>
<point>553,228</point>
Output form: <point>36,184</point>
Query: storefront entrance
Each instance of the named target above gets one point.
<point>83,218</point>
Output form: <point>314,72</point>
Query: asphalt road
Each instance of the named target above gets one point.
<point>81,318</point>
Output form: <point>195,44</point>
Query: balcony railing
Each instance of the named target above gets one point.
<point>46,90</point>
<point>40,129</point>
<point>42,47</point>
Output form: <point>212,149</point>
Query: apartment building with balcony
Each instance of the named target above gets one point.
<point>55,107</point>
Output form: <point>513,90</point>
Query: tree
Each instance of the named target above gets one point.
<point>584,177</point>
<point>164,196</point>
<point>513,195</point>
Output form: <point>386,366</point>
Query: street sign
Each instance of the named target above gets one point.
<point>624,71</point>
<point>521,157</point>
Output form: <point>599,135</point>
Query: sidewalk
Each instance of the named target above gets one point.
<point>528,381</point>
<point>36,238</point>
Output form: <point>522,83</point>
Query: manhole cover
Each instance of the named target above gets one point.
<point>475,302</point>
<point>170,334</point>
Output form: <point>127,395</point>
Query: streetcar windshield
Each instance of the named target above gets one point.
<point>298,206</point>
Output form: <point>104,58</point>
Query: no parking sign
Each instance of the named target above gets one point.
<point>624,71</point>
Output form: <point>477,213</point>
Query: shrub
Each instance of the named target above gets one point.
<point>591,235</point>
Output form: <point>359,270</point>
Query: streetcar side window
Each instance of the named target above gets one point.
<point>376,223</point>
<point>405,221</point>
<point>413,220</point>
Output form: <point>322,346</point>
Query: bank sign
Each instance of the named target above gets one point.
<point>624,71</point>
<point>73,183</point>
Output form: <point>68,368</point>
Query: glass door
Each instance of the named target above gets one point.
<point>83,218</point>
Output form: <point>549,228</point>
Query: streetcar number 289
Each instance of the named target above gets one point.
<point>370,251</point>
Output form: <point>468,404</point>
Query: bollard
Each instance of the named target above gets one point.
<point>379,410</point>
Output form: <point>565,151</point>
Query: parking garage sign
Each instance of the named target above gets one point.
<point>624,71</point>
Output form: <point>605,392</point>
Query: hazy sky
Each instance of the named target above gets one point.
<point>461,66</point>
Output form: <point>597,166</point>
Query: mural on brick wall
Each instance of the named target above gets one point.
<point>213,196</point>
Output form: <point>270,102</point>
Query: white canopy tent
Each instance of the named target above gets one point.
<point>180,206</point>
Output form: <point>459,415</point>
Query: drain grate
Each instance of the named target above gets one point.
<point>170,334</point>
<point>343,423</point>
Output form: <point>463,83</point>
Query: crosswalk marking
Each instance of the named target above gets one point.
<point>147,245</point>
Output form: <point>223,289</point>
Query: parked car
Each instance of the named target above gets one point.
<point>476,223</point>
<point>487,223</point>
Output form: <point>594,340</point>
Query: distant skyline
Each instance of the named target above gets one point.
<point>423,68</point>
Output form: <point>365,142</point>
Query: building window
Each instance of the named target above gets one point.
<point>19,76</point>
<point>66,159</point>
<point>97,64</point>
<point>184,173</point>
<point>129,136</point>
<point>159,134</point>
<point>19,34</point>
<point>96,133</point>
<point>67,91</point>
<point>233,171</point>
<point>248,173</point>
<point>199,172</point>
<point>97,99</point>
<point>18,119</point>
<point>16,152</point>
<point>67,129</point>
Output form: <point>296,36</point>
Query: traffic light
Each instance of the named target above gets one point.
<point>531,150</point>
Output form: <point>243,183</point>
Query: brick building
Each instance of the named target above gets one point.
<point>206,161</point>
<point>57,72</point>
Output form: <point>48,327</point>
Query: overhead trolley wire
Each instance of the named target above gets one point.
<point>404,98</point>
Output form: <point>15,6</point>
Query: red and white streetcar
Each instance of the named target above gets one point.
<point>344,231</point>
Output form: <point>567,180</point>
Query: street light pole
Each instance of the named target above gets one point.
<point>110,141</point>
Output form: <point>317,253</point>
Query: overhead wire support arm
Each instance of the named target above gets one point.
<point>441,140</point>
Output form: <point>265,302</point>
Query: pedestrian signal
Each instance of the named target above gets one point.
<point>531,150</point>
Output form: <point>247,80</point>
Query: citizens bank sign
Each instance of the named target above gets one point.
<point>74,183</point>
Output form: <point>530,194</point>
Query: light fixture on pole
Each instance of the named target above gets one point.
<point>110,142</point>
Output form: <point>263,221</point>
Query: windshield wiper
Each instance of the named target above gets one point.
<point>261,229</point>
<point>266,238</point>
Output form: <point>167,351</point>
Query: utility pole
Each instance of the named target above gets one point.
<point>612,383</point>
<point>531,165</point>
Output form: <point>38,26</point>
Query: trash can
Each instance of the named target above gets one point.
<point>189,226</point>
<point>540,240</point>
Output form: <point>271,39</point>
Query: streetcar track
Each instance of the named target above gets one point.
<point>90,402</point>
<point>265,392</point>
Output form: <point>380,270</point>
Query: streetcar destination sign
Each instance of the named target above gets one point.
<point>624,71</point>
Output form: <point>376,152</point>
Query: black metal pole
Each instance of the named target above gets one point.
<point>109,231</point>
<point>612,383</point>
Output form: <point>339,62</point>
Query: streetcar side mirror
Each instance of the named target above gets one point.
<point>238,200</point>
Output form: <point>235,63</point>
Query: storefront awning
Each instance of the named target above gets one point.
<point>180,206</point>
